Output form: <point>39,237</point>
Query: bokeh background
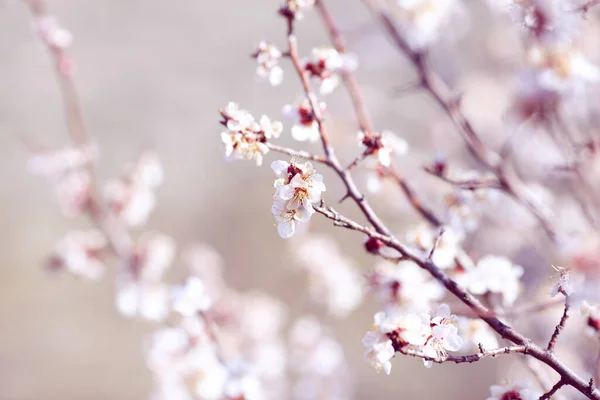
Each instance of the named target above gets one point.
<point>153,74</point>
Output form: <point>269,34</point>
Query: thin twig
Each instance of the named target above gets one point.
<point>554,389</point>
<point>560,326</point>
<point>471,358</point>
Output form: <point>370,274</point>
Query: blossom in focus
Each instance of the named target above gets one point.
<point>297,188</point>
<point>495,274</point>
<point>141,291</point>
<point>422,21</point>
<point>306,127</point>
<point>294,9</point>
<point>444,335</point>
<point>514,390</point>
<point>132,198</point>
<point>448,246</point>
<point>52,33</point>
<point>245,138</point>
<point>379,349</point>
<point>334,280</point>
<point>383,145</point>
<point>267,56</point>
<point>325,64</point>
<point>391,331</point>
<point>80,253</point>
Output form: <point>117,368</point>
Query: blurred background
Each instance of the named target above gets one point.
<point>153,74</point>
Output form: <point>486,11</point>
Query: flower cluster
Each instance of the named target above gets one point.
<point>297,188</point>
<point>495,275</point>
<point>141,291</point>
<point>245,138</point>
<point>433,336</point>
<point>306,127</point>
<point>267,56</point>
<point>325,64</point>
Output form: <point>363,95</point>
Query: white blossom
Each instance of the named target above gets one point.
<point>383,145</point>
<point>297,188</point>
<point>405,285</point>
<point>325,64</point>
<point>267,56</point>
<point>132,197</point>
<point>423,21</point>
<point>514,390</point>
<point>191,298</point>
<point>80,254</point>
<point>306,127</point>
<point>444,335</point>
<point>477,332</point>
<point>448,246</point>
<point>495,274</point>
<point>379,351</point>
<point>294,9</point>
<point>245,138</point>
<point>140,290</point>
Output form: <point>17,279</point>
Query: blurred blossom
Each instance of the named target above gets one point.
<point>54,164</point>
<point>514,390</point>
<point>477,332</point>
<point>140,290</point>
<point>52,33</point>
<point>318,360</point>
<point>80,253</point>
<point>191,298</point>
<point>383,145</point>
<point>448,246</point>
<point>495,274</point>
<point>306,127</point>
<point>66,171</point>
<point>334,280</point>
<point>132,198</point>
<point>424,21</point>
<point>592,312</point>
<point>294,9</point>
<point>267,56</point>
<point>325,65</point>
<point>404,285</point>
